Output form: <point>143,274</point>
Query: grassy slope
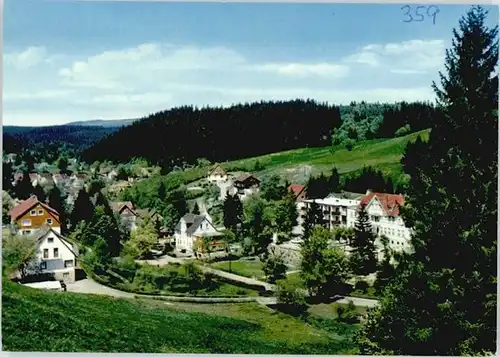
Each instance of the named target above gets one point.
<point>35,320</point>
<point>383,154</point>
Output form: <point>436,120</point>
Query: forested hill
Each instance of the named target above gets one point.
<point>186,134</point>
<point>76,138</point>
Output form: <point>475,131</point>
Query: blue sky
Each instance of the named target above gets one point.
<point>68,60</point>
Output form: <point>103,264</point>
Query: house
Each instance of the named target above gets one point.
<point>56,255</point>
<point>60,179</point>
<point>11,158</point>
<point>299,191</point>
<point>111,176</point>
<point>34,178</point>
<point>18,176</point>
<point>150,213</point>
<point>383,211</point>
<point>245,185</point>
<point>126,212</point>
<point>45,179</point>
<point>191,229</point>
<point>217,174</point>
<point>78,180</point>
<point>31,214</point>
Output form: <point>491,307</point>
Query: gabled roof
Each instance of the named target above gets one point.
<point>33,176</point>
<point>147,212</point>
<point>390,202</point>
<point>245,177</point>
<point>193,221</point>
<point>45,230</point>
<point>26,205</point>
<point>118,207</point>
<point>296,189</point>
<point>217,170</point>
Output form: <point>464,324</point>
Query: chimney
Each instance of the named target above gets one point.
<point>368,192</point>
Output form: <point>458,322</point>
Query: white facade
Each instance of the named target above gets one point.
<point>185,237</point>
<point>334,209</point>
<point>55,255</point>
<point>392,226</point>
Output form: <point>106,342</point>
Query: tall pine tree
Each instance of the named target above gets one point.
<point>56,202</point>
<point>443,298</point>
<point>363,259</point>
<point>83,209</point>
<point>313,218</point>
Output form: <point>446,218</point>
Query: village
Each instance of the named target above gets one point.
<point>197,236</point>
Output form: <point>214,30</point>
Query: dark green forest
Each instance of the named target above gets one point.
<point>72,138</point>
<point>184,135</point>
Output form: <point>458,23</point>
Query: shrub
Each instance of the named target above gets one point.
<point>347,314</point>
<point>362,286</point>
<point>291,299</point>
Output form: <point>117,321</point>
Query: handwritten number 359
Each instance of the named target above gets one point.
<point>432,11</point>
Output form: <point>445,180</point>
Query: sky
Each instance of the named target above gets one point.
<point>67,61</point>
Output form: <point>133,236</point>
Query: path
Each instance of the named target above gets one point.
<point>165,260</point>
<point>89,286</point>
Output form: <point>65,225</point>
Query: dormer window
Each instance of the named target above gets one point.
<point>40,212</point>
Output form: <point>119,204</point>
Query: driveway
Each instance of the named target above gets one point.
<point>89,286</point>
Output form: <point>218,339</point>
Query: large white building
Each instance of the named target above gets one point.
<point>341,209</point>
<point>383,211</point>
<point>333,207</point>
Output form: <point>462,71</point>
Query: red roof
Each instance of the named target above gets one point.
<point>390,202</point>
<point>296,189</point>
<point>26,205</point>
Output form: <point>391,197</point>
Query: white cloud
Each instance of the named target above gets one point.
<point>136,81</point>
<point>305,70</point>
<point>30,57</point>
<point>407,57</point>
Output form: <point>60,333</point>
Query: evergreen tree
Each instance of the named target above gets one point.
<point>38,191</point>
<point>24,188</point>
<point>232,212</point>
<point>363,258</point>
<point>443,298</point>
<point>55,201</point>
<point>196,209</point>
<point>83,209</point>
<point>271,188</point>
<point>62,165</point>
<point>102,201</point>
<point>162,191</point>
<point>334,181</point>
<point>312,219</point>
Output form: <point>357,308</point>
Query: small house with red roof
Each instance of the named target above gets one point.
<point>299,191</point>
<point>32,214</point>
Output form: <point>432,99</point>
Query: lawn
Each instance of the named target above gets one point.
<point>250,269</point>
<point>34,320</point>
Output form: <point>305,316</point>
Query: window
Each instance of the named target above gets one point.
<point>43,265</point>
<point>33,212</point>
<point>65,275</point>
<point>40,212</point>
<point>68,263</point>
<point>49,220</point>
<point>50,240</point>
<point>56,252</point>
<point>45,253</point>
<point>26,222</point>
<point>26,232</point>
